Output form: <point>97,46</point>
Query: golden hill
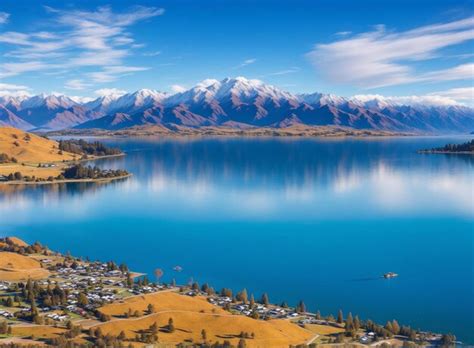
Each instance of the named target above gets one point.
<point>28,147</point>
<point>193,314</point>
<point>30,150</point>
<point>16,267</point>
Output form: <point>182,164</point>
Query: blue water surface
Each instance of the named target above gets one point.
<point>318,220</point>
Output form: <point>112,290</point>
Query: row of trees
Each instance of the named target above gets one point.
<point>81,147</point>
<point>465,147</point>
<point>80,171</point>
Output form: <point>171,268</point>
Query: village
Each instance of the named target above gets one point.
<point>40,288</point>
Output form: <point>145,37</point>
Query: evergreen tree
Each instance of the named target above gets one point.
<point>340,317</point>
<point>265,300</point>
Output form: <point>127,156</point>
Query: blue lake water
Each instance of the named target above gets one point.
<point>311,219</point>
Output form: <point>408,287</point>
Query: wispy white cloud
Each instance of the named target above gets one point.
<point>109,91</point>
<point>343,33</point>
<point>13,90</point>
<point>152,54</point>
<point>432,99</point>
<point>382,58</point>
<point>76,84</point>
<point>245,63</point>
<point>291,70</point>
<point>177,88</point>
<point>460,94</point>
<point>4,17</point>
<point>97,38</point>
<point>112,73</point>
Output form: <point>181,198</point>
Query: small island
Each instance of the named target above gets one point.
<point>52,299</point>
<point>27,158</point>
<point>461,149</point>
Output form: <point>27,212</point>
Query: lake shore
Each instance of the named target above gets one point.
<point>105,296</point>
<point>33,169</point>
<point>446,152</point>
<point>180,131</point>
<point>98,180</point>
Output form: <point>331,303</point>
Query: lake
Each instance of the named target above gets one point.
<point>319,220</point>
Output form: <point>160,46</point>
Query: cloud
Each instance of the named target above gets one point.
<point>76,84</point>
<point>245,63</point>
<point>152,54</point>
<point>178,88</point>
<point>434,99</point>
<point>109,91</point>
<point>97,38</point>
<point>4,17</point>
<point>13,90</point>
<point>381,58</point>
<point>343,33</point>
<point>291,70</point>
<point>459,94</point>
<point>112,73</point>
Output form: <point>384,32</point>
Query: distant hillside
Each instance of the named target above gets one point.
<point>232,103</point>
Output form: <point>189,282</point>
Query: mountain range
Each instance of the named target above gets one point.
<point>232,102</point>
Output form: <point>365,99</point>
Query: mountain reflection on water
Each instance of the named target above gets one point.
<point>300,178</point>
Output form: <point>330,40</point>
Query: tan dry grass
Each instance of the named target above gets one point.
<point>162,301</point>
<point>188,325</point>
<point>192,314</point>
<point>16,267</point>
<point>323,329</point>
<point>36,150</point>
<point>38,331</point>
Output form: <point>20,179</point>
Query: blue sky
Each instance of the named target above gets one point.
<point>397,48</point>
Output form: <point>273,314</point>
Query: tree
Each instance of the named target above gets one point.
<point>340,317</point>
<point>170,325</point>
<point>349,323</point>
<point>150,308</point>
<point>252,301</point>
<point>153,328</point>
<point>356,323</point>
<point>301,307</point>
<point>121,336</point>
<point>83,300</point>
<point>265,300</point>
<point>242,343</point>
<point>158,274</point>
<point>242,296</point>
<point>395,327</point>
<point>318,315</point>
<point>204,335</point>
<point>389,327</point>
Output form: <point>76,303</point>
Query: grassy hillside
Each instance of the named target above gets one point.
<point>28,147</point>
<point>29,150</point>
<point>193,314</point>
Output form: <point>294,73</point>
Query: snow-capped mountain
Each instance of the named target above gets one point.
<point>234,102</point>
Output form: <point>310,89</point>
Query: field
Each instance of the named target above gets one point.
<point>16,267</point>
<point>38,331</point>
<point>193,314</point>
<point>323,329</point>
<point>162,301</point>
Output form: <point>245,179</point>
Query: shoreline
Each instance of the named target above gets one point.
<point>99,180</point>
<point>446,152</point>
<point>310,132</point>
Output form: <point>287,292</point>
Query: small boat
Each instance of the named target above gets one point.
<point>177,268</point>
<point>390,275</point>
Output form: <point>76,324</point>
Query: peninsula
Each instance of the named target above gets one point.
<point>26,158</point>
<point>51,299</point>
<point>464,148</point>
